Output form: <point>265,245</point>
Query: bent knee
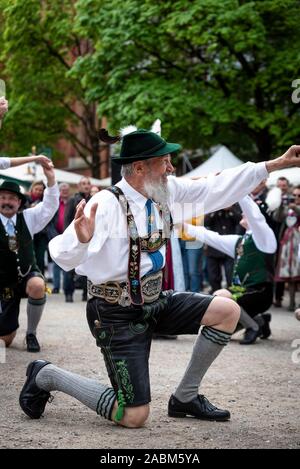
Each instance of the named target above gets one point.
<point>222,312</point>
<point>35,288</point>
<point>135,417</point>
<point>223,292</point>
<point>232,311</point>
<point>8,339</point>
<point>37,292</point>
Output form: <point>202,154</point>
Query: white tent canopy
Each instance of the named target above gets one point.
<point>221,159</point>
<point>32,172</point>
<point>292,174</point>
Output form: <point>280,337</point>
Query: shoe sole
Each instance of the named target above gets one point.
<point>181,415</point>
<point>265,336</point>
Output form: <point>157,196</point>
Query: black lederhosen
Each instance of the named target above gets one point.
<point>257,299</point>
<point>10,307</point>
<point>124,336</point>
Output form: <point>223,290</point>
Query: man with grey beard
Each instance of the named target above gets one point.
<point>118,240</point>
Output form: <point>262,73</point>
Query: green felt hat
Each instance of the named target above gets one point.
<point>143,145</point>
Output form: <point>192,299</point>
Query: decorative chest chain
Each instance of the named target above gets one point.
<point>137,244</point>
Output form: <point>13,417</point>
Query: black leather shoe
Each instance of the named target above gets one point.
<point>32,343</point>
<point>55,290</point>
<point>250,336</point>
<point>200,408</point>
<point>69,299</point>
<point>32,399</point>
<point>265,328</point>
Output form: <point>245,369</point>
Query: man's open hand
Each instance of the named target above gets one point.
<point>85,225</point>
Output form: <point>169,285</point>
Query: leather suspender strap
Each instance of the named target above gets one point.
<point>134,258</point>
<point>137,244</point>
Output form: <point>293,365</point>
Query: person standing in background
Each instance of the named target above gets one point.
<point>84,193</point>
<point>55,228</point>
<point>224,222</point>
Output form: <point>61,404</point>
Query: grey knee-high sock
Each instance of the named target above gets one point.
<point>34,313</point>
<point>90,392</point>
<point>207,347</point>
<point>247,321</point>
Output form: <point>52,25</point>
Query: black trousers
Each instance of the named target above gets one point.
<point>257,299</point>
<point>214,270</point>
<point>10,304</point>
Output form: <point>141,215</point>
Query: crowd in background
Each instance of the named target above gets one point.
<point>204,267</point>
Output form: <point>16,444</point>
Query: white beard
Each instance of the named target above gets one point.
<point>157,191</point>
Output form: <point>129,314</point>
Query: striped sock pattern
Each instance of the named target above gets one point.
<point>216,336</point>
<point>207,347</point>
<point>92,393</point>
<point>106,403</point>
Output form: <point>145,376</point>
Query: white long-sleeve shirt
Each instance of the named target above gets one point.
<point>105,257</point>
<point>38,217</point>
<point>262,235</point>
<point>4,163</point>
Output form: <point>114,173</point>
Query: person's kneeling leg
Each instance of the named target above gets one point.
<point>219,320</point>
<point>134,417</point>
<point>44,377</point>
<point>35,290</point>
<point>8,339</point>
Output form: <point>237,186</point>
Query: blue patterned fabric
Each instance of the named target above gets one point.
<point>156,257</point>
<point>10,228</point>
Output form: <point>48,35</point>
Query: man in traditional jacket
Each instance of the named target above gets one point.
<point>19,274</point>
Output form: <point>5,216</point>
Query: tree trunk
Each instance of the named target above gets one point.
<point>264,145</point>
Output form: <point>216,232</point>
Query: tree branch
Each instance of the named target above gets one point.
<point>239,56</point>
<point>55,53</point>
<point>158,56</point>
<point>73,138</point>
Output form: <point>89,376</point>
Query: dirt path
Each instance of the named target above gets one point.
<point>259,384</point>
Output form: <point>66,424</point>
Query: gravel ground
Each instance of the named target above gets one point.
<point>259,384</point>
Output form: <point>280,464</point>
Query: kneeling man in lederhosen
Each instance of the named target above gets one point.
<point>19,274</point>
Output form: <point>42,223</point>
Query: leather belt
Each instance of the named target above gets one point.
<point>116,292</point>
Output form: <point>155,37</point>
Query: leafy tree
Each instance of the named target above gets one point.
<point>39,46</point>
<point>214,72</point>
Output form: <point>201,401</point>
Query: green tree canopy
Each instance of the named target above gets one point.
<point>39,46</point>
<point>214,72</point>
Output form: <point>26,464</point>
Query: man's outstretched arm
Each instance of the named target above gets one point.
<point>226,188</point>
<point>41,159</point>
